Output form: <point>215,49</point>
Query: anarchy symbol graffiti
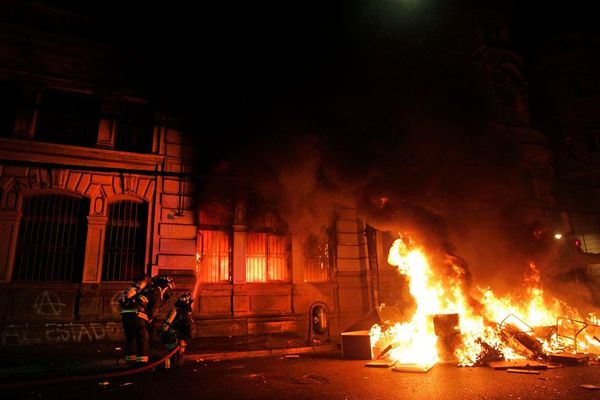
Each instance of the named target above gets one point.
<point>48,303</point>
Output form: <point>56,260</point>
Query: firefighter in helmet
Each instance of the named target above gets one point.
<point>138,310</point>
<point>178,327</point>
<point>133,317</point>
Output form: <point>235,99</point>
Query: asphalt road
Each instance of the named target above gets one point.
<point>321,376</point>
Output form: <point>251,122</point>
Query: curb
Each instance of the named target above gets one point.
<point>234,355</point>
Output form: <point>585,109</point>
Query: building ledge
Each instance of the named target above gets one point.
<point>76,156</point>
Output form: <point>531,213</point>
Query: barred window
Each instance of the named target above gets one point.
<point>266,257</point>
<point>68,118</point>
<point>125,242</point>
<point>316,251</point>
<point>51,244</point>
<point>214,256</point>
<point>134,128</point>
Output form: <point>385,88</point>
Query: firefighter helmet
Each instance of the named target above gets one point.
<point>184,300</point>
<point>164,281</point>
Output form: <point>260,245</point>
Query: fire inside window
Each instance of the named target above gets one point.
<point>316,259</point>
<point>266,257</point>
<point>213,256</point>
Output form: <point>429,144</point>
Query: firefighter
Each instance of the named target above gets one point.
<point>138,312</point>
<point>134,319</point>
<point>178,328</point>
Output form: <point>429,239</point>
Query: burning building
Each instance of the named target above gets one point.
<point>290,236</point>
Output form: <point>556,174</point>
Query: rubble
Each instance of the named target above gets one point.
<point>523,371</point>
<point>522,341</point>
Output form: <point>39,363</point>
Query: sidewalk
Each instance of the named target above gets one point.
<point>75,359</point>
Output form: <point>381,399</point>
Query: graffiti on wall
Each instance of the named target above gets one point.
<point>59,332</point>
<point>48,303</point>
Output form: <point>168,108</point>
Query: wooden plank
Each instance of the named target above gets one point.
<point>379,364</point>
<point>568,358</point>
<point>412,367</point>
<point>523,371</point>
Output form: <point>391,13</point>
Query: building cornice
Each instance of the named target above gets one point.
<point>76,156</point>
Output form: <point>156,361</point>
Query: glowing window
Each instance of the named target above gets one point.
<point>316,252</point>
<point>266,257</point>
<point>214,256</point>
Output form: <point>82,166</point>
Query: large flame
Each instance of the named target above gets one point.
<point>453,322</point>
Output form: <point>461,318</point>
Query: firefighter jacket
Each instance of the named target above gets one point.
<point>155,296</point>
<point>134,301</point>
<point>180,320</point>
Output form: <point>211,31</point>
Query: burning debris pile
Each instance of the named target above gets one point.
<point>472,326</point>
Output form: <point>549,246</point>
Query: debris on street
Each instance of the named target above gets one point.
<point>379,364</point>
<point>589,387</point>
<point>412,367</point>
<point>523,371</point>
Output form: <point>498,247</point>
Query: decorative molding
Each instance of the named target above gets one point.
<point>60,177</point>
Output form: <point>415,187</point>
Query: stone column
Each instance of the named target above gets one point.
<point>9,234</point>
<point>94,248</point>
<point>239,244</point>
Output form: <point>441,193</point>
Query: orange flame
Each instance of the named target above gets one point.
<point>481,317</point>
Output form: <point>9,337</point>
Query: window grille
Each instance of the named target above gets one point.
<point>214,256</point>
<point>125,242</point>
<point>266,257</point>
<point>68,118</point>
<point>52,236</point>
<point>316,259</point>
<point>134,129</point>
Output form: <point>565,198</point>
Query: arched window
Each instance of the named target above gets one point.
<point>125,242</point>
<point>52,235</point>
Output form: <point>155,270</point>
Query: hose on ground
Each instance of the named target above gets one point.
<point>106,375</point>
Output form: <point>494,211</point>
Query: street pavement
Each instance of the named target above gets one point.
<point>41,362</point>
<point>322,376</point>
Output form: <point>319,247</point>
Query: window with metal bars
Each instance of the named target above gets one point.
<point>52,234</point>
<point>214,256</point>
<point>125,241</point>
<point>266,257</point>
<point>316,258</point>
<point>68,118</point>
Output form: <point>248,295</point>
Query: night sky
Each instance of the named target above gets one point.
<point>262,69</point>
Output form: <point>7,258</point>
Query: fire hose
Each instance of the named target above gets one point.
<point>114,374</point>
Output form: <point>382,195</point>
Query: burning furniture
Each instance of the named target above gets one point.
<point>472,326</point>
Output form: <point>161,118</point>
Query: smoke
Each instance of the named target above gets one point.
<point>415,147</point>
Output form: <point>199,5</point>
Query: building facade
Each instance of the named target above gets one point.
<point>97,187</point>
<point>567,97</point>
